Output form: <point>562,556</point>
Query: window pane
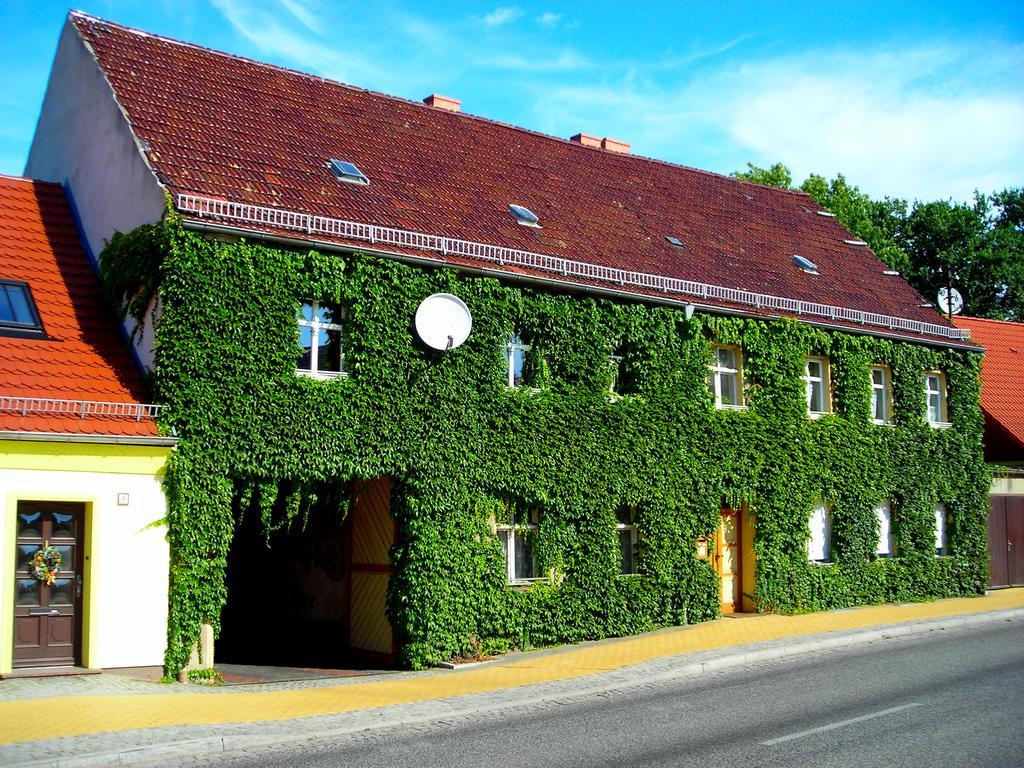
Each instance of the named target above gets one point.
<point>306,342</point>
<point>328,313</point>
<point>63,526</point>
<point>14,306</point>
<point>879,411</point>
<point>61,593</point>
<point>815,395</point>
<point>819,546</point>
<point>934,407</point>
<point>30,525</point>
<point>330,350</point>
<point>25,554</point>
<point>730,388</point>
<point>307,311</point>
<point>26,592</point>
<point>726,357</point>
<point>524,557</point>
<point>626,551</point>
<point>518,363</point>
<point>884,513</point>
<point>878,377</point>
<point>814,369</point>
<point>940,530</point>
<point>624,516</point>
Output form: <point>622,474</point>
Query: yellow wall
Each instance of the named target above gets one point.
<point>124,590</point>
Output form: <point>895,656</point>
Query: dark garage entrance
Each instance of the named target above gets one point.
<point>316,596</point>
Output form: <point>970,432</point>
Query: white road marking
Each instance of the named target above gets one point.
<point>840,724</point>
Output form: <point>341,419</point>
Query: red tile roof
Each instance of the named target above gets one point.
<point>1002,385</point>
<point>83,356</point>
<point>225,127</point>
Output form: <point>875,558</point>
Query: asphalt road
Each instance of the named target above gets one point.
<point>954,698</point>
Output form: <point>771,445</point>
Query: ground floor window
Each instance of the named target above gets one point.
<point>625,527</point>
<point>884,513</point>
<point>819,547</point>
<point>517,535</point>
<point>941,544</point>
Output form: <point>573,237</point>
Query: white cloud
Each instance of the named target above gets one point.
<point>301,11</point>
<point>549,19</point>
<point>502,15</point>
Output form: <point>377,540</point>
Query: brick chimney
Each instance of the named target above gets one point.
<point>614,145</point>
<point>586,140</point>
<point>443,102</point>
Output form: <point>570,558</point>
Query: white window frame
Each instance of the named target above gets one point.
<point>620,528</point>
<point>719,371</point>
<point>315,327</point>
<point>941,535</point>
<point>883,512</point>
<point>515,344</point>
<point>939,391</point>
<point>824,380</point>
<point>819,547</point>
<point>516,529</point>
<point>886,389</point>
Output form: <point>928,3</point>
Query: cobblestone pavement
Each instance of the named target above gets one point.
<point>113,720</point>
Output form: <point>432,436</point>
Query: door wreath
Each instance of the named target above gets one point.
<point>46,563</point>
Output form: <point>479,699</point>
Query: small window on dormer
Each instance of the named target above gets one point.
<point>17,310</point>
<point>348,172</point>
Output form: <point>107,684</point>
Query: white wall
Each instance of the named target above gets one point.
<point>83,141</point>
<point>126,619</point>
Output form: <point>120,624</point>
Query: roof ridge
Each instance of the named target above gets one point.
<point>988,320</point>
<point>27,180</point>
<point>458,115</point>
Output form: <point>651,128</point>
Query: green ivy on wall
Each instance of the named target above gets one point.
<point>461,447</point>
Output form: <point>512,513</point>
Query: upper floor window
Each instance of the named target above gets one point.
<point>941,543</point>
<point>622,379</point>
<point>17,310</point>
<point>819,547</point>
<point>726,379</point>
<point>881,395</point>
<point>935,397</point>
<point>515,357</point>
<point>625,527</point>
<point>517,534</point>
<point>884,514</point>
<point>320,336</point>
<point>819,390</point>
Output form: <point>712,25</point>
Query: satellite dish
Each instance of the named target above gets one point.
<point>443,321</point>
<point>950,301</point>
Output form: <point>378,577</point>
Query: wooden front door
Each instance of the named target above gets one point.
<point>371,533</point>
<point>47,617</point>
<point>727,561</point>
<point>1006,541</point>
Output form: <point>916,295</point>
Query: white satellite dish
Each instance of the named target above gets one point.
<point>443,321</point>
<point>950,301</point>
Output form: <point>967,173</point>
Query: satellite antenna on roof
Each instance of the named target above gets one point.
<point>950,301</point>
<point>443,321</point>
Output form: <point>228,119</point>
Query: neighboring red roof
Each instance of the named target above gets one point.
<point>230,128</point>
<point>1002,385</point>
<point>82,356</point>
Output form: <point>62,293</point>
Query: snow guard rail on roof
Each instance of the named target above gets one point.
<point>80,408</point>
<point>373,234</point>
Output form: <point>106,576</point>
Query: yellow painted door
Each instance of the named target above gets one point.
<point>373,533</point>
<point>727,561</point>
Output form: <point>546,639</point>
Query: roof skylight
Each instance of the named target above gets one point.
<point>675,241</point>
<point>17,310</point>
<point>829,214</point>
<point>348,172</point>
<point>524,216</point>
<point>854,242</point>
<point>806,265</point>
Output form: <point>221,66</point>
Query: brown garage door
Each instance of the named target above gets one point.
<point>1006,541</point>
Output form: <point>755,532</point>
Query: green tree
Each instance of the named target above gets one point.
<point>776,176</point>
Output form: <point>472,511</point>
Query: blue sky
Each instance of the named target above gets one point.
<point>912,99</point>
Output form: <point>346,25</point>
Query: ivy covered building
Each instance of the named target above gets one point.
<point>682,394</point>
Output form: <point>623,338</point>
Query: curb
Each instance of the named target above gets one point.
<point>678,667</point>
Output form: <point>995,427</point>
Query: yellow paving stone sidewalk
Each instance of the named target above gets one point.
<point>48,718</point>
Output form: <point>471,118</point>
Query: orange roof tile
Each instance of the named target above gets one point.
<point>1002,377</point>
<point>82,355</point>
